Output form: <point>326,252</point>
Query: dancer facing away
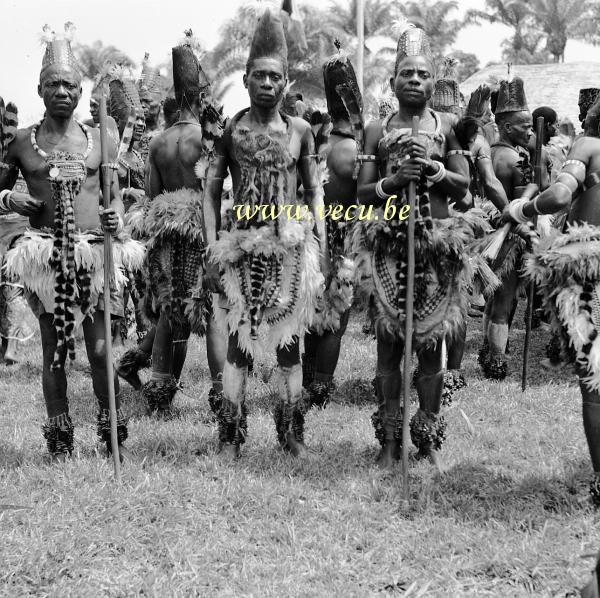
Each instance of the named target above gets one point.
<point>176,262</point>
<point>60,260</point>
<point>270,271</point>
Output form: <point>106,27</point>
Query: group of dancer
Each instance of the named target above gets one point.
<point>257,285</point>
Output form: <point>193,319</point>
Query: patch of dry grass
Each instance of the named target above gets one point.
<point>510,517</point>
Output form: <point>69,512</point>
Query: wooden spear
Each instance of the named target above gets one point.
<point>408,324</point>
<point>107,177</point>
<point>539,138</point>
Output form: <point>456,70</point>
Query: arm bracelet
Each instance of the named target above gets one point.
<point>5,207</point>
<point>380,192</point>
<point>515,209</point>
<point>439,175</point>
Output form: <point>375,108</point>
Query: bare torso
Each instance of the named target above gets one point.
<point>586,206</point>
<point>341,157</point>
<point>433,130</point>
<point>35,172</point>
<point>512,169</point>
<point>173,156</point>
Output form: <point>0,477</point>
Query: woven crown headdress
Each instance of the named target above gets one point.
<point>58,48</point>
<point>511,96</point>
<point>412,41</point>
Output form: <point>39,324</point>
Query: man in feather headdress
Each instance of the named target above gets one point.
<point>60,260</point>
<point>339,152</point>
<point>270,269</point>
<point>566,270</point>
<point>441,261</point>
<point>173,225</point>
<point>483,183</point>
<point>513,166</point>
<point>151,96</point>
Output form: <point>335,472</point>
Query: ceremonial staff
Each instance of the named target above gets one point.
<point>107,178</point>
<point>539,137</point>
<point>408,324</point>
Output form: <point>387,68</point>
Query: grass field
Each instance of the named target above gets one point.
<point>510,517</point>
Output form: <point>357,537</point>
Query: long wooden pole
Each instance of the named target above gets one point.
<point>539,138</point>
<point>360,34</point>
<point>408,324</point>
<point>108,268</point>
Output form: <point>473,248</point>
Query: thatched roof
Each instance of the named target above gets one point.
<point>554,85</point>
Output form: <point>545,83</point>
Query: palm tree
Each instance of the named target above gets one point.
<point>433,18</point>
<point>560,20</point>
<point>92,58</point>
<point>516,14</point>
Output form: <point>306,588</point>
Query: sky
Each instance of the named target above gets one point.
<point>139,26</point>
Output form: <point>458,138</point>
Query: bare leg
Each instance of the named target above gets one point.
<point>58,429</point>
<point>290,410</point>
<point>231,415</point>
<point>427,428</point>
<point>160,390</point>
<point>216,353</point>
<point>501,306</point>
<point>326,352</point>
<point>95,345</point>
<point>387,420</point>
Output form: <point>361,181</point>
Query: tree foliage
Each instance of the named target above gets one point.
<point>93,57</point>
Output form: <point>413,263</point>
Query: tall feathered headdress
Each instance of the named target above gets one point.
<point>189,80</point>
<point>511,96</point>
<point>58,48</point>
<point>446,94</point>
<point>341,86</point>
<point>269,39</point>
<point>123,93</point>
<point>150,81</point>
<point>587,98</point>
<point>479,102</point>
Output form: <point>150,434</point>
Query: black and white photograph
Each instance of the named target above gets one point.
<point>300,298</point>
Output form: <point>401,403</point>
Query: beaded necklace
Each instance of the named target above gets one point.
<point>64,163</point>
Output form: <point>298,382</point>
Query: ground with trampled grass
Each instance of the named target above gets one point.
<point>510,517</point>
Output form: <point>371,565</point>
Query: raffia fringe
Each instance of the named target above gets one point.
<point>233,246</point>
<point>28,262</point>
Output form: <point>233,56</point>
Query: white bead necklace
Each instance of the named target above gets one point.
<point>54,165</point>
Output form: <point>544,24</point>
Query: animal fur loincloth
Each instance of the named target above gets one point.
<point>441,292</point>
<point>176,260</point>
<point>135,217</point>
<point>566,271</point>
<point>28,262</point>
<point>339,293</point>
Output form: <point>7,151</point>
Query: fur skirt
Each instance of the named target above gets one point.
<point>566,271</point>
<point>28,263</point>
<point>271,275</point>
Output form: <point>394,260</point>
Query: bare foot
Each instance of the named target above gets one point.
<point>436,458</point>
<point>293,446</point>
<point>389,454</point>
<point>228,452</point>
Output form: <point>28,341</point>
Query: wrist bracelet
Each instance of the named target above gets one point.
<point>437,176</point>
<point>5,207</point>
<point>534,204</point>
<point>515,209</point>
<point>379,190</point>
